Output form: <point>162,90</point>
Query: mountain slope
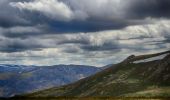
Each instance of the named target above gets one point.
<point>150,76</point>
<point>15,79</point>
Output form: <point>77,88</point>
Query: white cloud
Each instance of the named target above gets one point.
<point>105,9</point>
<point>51,8</point>
<point>68,10</point>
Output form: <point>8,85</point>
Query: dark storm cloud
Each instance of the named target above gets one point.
<point>82,41</point>
<point>9,46</point>
<point>149,8</point>
<point>86,26</point>
<point>95,20</point>
<point>12,17</point>
<point>103,47</point>
<point>23,32</point>
<point>19,48</point>
<point>21,35</point>
<point>8,16</point>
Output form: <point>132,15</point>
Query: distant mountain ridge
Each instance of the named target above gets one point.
<point>136,76</point>
<point>19,79</point>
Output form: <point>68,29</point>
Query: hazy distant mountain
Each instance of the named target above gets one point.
<point>136,76</point>
<point>18,79</point>
<point>107,66</point>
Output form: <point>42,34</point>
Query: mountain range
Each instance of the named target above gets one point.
<point>20,79</point>
<point>137,76</point>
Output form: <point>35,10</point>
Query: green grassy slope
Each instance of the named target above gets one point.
<point>148,79</point>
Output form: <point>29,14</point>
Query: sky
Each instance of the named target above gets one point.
<point>83,32</point>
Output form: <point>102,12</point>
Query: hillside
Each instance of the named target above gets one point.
<point>19,79</point>
<point>136,76</point>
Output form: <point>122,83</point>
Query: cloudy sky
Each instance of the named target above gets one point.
<point>90,32</point>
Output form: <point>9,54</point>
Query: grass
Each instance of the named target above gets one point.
<point>151,92</point>
<point>4,76</point>
<point>26,75</point>
<point>101,84</point>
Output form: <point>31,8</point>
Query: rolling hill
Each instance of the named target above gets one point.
<point>137,76</point>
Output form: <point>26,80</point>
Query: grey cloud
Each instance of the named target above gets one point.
<point>141,38</point>
<point>80,16</point>
<point>73,16</point>
<point>149,8</point>
<point>82,30</point>
<point>9,16</point>
<point>21,31</point>
<point>19,45</point>
<point>98,9</point>
<point>103,47</point>
<point>95,41</point>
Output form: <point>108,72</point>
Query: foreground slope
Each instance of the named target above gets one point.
<point>145,75</point>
